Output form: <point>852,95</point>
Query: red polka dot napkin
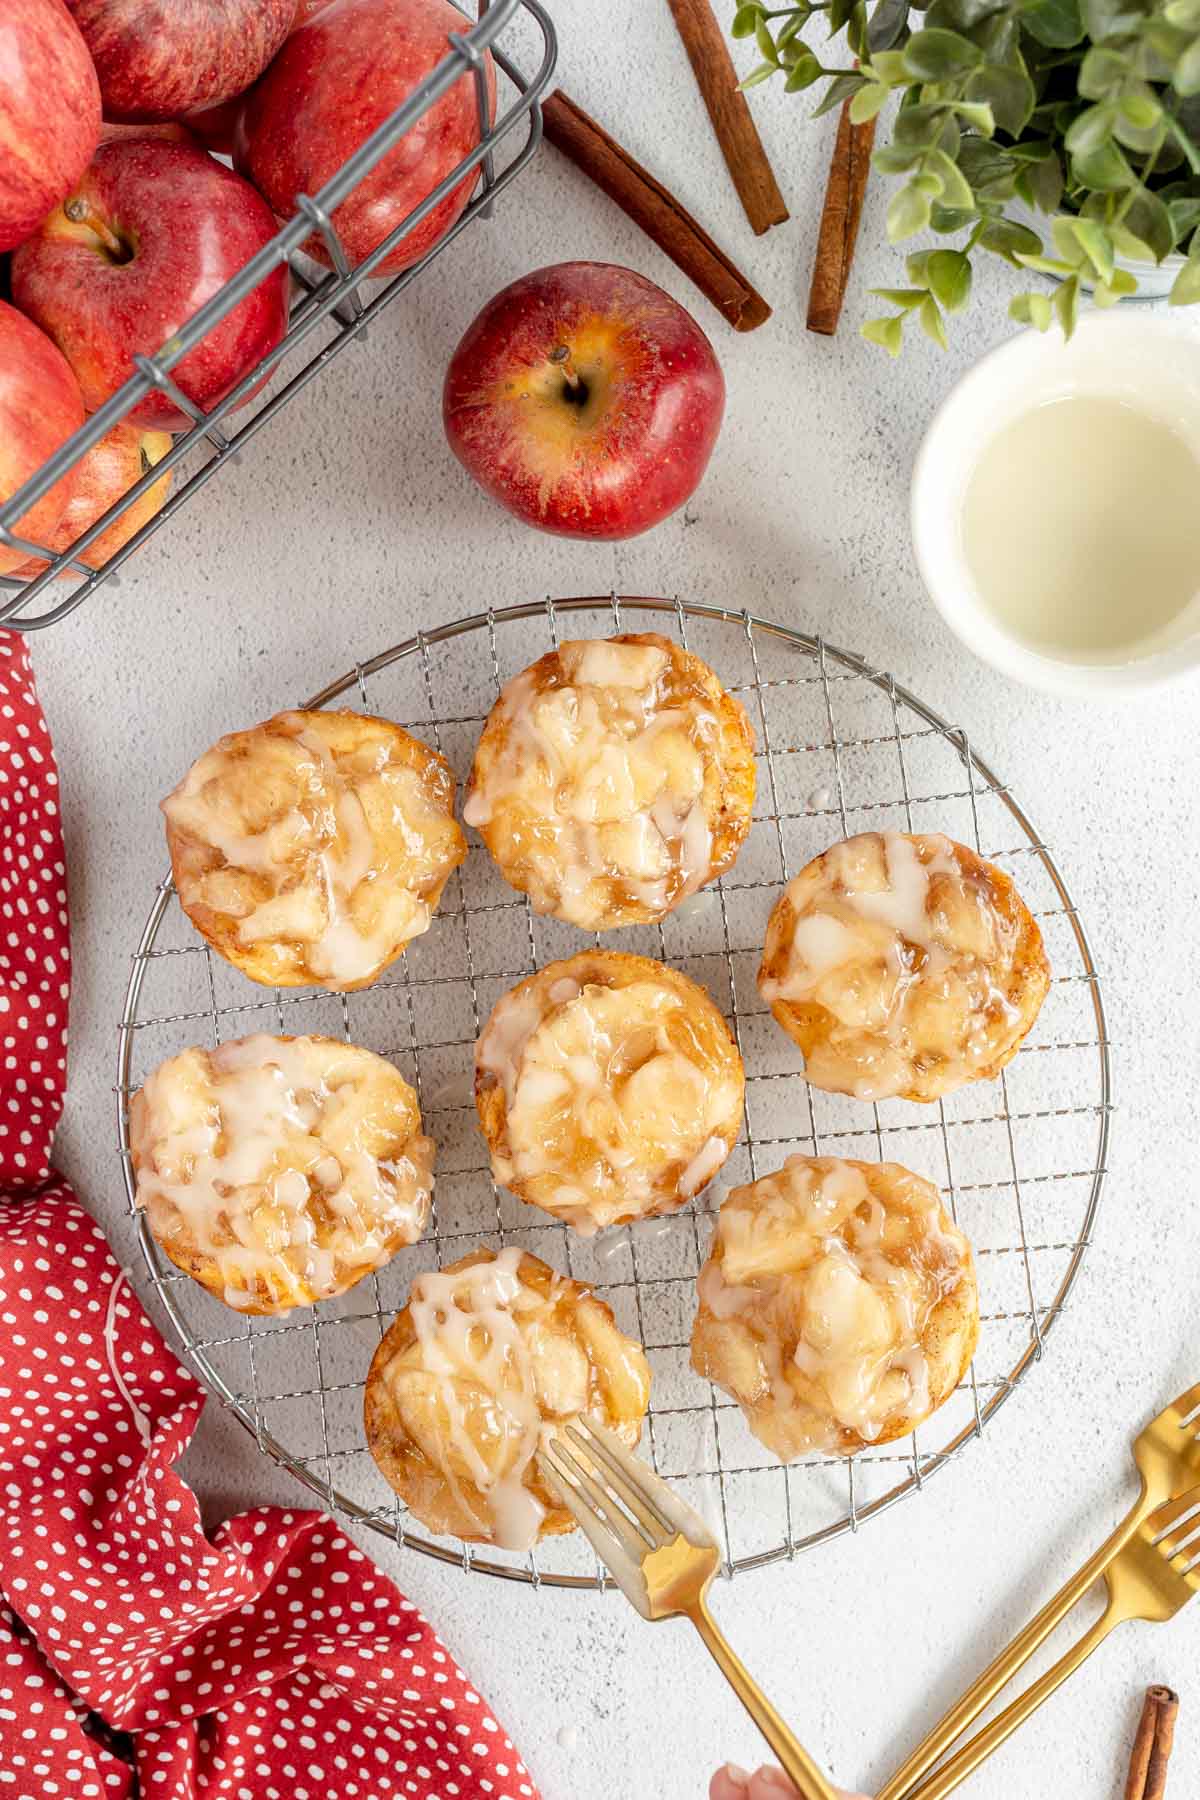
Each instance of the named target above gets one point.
<point>272,1661</point>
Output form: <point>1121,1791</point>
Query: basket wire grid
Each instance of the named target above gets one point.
<point>331,296</point>
<point>1021,1161</point>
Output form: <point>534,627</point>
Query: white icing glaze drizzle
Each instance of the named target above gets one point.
<point>616,1106</point>
<point>317,875</point>
<point>822,1292</point>
<point>260,1158</point>
<point>601,781</point>
<point>906,952</point>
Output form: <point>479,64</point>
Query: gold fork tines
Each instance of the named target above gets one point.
<point>663,1558</point>
<point>1151,1563</point>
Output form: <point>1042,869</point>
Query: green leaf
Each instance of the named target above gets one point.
<point>1066,241</point>
<point>1102,73</point>
<point>1148,219</point>
<point>888,24</point>
<point>1007,89</point>
<point>919,126</point>
<point>907,213</point>
<point>888,66</point>
<point>1066,305</point>
<point>1183,13</point>
<point>963,15</point>
<point>1091,130</point>
<point>1108,293</point>
<point>1104,170</point>
<point>839,15</point>
<point>1046,183</point>
<point>977,114</point>
<point>1140,108</point>
<point>894,159</point>
<point>1126,244</point>
<point>745,20</point>
<point>1048,265</point>
<point>948,273</point>
<point>1108,19</point>
<point>1185,289</point>
<point>803,72</point>
<point>791,28</point>
<point>950,219</point>
<point>842,87</point>
<point>1186,79</point>
<point>1004,237</point>
<point>1097,246</point>
<point>904,298</point>
<point>888,332</point>
<point>866,103</point>
<point>954,190</point>
<point>988,168</point>
<point>935,55</point>
<point>1056,23</point>
<point>916,264</point>
<point>762,72</point>
<point>931,321</point>
<point>766,43</point>
<point>1184,214</point>
<point>1031,309</point>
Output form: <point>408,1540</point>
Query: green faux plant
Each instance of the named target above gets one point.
<point>1086,110</point>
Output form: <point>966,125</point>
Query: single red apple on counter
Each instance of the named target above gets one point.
<point>338,77</point>
<point>49,113</point>
<point>40,406</point>
<point>585,400</point>
<point>156,61</point>
<point>108,470</point>
<point>152,231</point>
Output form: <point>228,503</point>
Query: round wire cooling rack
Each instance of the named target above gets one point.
<point>1020,1160</point>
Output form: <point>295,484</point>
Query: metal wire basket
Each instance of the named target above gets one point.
<point>1021,1160</point>
<point>332,298</point>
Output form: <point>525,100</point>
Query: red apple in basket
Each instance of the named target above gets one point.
<point>338,77</point>
<point>150,233</point>
<point>108,470</point>
<point>40,406</point>
<point>49,113</point>
<point>585,400</point>
<point>158,60</point>
<point>216,126</point>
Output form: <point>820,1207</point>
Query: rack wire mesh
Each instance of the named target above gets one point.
<point>319,298</point>
<point>1021,1160</point>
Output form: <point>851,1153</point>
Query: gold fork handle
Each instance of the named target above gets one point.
<point>794,1759</point>
<point>984,1690</point>
<point>944,1780</point>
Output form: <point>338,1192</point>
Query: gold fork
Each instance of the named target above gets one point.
<point>663,1558</point>
<point>1167,1455</point>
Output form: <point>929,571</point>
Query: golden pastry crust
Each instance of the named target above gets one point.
<point>608,1088</point>
<point>838,1305</point>
<point>903,966</point>
<point>278,1171</point>
<point>487,1358</point>
<point>613,778</point>
<point>311,849</point>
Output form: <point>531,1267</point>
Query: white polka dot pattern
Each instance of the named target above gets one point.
<point>270,1662</point>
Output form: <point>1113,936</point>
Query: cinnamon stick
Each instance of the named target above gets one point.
<point>1152,1745</point>
<point>732,120</point>
<point>655,209</point>
<point>838,235</point>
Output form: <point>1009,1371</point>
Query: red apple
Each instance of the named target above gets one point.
<point>216,126</point>
<point>40,406</point>
<point>585,400</point>
<point>156,61</point>
<point>338,77</point>
<point>150,233</point>
<point>49,113</point>
<point>108,470</point>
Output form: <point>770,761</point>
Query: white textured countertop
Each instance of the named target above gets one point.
<point>348,526</point>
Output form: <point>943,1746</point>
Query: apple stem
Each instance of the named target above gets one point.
<point>79,212</point>
<point>562,356</point>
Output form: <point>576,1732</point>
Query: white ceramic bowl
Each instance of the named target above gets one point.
<point>1143,358</point>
